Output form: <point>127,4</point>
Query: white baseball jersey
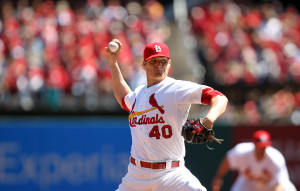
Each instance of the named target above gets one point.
<point>157,114</point>
<point>257,175</point>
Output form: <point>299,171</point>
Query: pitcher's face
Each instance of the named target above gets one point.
<point>157,67</point>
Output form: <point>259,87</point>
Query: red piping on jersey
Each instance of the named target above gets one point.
<point>208,94</point>
<point>124,106</point>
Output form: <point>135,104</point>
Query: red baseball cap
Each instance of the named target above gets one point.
<point>261,139</point>
<point>156,49</point>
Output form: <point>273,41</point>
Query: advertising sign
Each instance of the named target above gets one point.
<point>45,154</point>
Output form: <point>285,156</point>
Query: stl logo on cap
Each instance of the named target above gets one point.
<point>156,49</point>
<point>262,138</point>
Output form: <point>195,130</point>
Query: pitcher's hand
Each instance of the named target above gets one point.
<point>114,56</point>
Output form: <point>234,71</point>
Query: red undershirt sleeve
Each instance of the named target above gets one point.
<point>124,106</point>
<point>208,94</point>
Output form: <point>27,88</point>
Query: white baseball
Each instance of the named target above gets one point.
<point>113,46</point>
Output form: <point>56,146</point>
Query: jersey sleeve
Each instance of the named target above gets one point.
<point>124,105</point>
<point>238,155</point>
<point>232,158</point>
<point>129,99</point>
<point>281,173</point>
<point>126,101</point>
<point>193,93</point>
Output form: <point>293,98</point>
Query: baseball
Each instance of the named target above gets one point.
<point>113,46</point>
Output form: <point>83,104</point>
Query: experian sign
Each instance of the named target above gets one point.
<point>63,155</point>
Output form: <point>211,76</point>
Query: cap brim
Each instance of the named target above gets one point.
<point>263,144</point>
<point>157,55</point>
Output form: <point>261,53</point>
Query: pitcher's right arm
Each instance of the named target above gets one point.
<point>121,88</point>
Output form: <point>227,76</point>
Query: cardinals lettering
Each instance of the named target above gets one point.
<point>144,119</point>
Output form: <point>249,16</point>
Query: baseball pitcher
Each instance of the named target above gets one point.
<point>157,113</point>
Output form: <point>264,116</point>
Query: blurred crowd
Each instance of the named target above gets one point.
<point>252,44</point>
<point>52,55</point>
<point>254,47</point>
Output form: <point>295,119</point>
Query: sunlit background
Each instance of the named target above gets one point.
<point>53,59</point>
<point>53,69</point>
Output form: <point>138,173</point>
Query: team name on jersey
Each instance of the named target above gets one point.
<point>144,120</point>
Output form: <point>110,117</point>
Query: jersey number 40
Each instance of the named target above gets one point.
<point>166,132</point>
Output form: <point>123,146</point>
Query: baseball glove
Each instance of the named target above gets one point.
<point>195,132</point>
